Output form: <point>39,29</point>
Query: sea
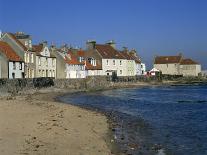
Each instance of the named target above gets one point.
<point>153,120</point>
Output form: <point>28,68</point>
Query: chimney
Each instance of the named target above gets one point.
<point>91,44</point>
<point>133,52</point>
<point>44,43</point>
<point>111,43</point>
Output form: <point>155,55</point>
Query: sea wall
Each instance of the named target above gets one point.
<point>18,86</point>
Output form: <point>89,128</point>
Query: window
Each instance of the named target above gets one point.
<point>20,66</point>
<point>107,62</point>
<point>53,62</point>
<point>40,73</point>
<point>14,65</point>
<point>13,75</point>
<point>26,43</point>
<point>114,63</point>
<point>120,62</point>
<point>27,57</point>
<point>167,65</point>
<point>46,62</point>
<point>32,58</point>
<point>120,72</point>
<point>39,61</point>
<point>53,73</point>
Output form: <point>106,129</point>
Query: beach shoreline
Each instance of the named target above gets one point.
<point>37,124</point>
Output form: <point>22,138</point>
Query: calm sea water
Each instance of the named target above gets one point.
<point>176,116</point>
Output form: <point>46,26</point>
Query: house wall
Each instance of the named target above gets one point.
<point>94,72</point>
<point>190,70</point>
<point>30,64</point>
<point>60,66</point>
<point>120,68</point>
<point>45,66</point>
<point>131,67</point>
<point>17,70</point>
<point>3,66</point>
<point>171,69</point>
<point>143,69</point>
<point>75,71</point>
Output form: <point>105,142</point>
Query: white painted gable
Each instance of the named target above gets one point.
<point>45,52</point>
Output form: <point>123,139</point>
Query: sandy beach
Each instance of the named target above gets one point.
<point>36,124</point>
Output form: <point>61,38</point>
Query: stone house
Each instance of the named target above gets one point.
<point>188,67</point>
<point>11,65</point>
<point>45,62</point>
<point>177,65</point>
<point>168,64</point>
<point>22,45</point>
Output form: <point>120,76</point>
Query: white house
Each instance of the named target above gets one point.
<point>75,66</point>
<point>11,65</point>
<point>45,62</point>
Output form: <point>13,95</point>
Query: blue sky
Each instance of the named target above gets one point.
<point>152,27</point>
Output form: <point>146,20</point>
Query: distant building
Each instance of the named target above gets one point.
<point>177,65</point>
<point>45,62</point>
<point>11,65</point>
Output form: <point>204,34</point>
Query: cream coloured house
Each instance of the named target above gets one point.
<point>45,62</point>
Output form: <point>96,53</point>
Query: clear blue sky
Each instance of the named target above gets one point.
<point>153,27</point>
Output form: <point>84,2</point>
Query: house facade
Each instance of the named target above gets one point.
<point>130,63</point>
<point>22,45</point>
<point>75,67</point>
<point>188,67</point>
<point>11,65</point>
<point>106,59</point>
<point>177,65</point>
<point>60,61</point>
<point>168,64</point>
<point>45,62</point>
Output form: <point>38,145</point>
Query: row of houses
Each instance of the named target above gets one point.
<point>20,58</point>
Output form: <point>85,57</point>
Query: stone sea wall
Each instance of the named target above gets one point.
<point>17,86</point>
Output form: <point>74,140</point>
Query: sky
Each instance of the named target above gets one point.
<point>152,27</point>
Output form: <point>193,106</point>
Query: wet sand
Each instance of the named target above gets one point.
<point>36,124</point>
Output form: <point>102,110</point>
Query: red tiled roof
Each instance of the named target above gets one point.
<point>188,62</point>
<point>81,53</point>
<point>91,67</point>
<point>108,52</point>
<point>126,55</point>
<point>37,48</point>
<point>9,52</point>
<point>167,59</point>
<point>73,60</point>
<point>17,41</point>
